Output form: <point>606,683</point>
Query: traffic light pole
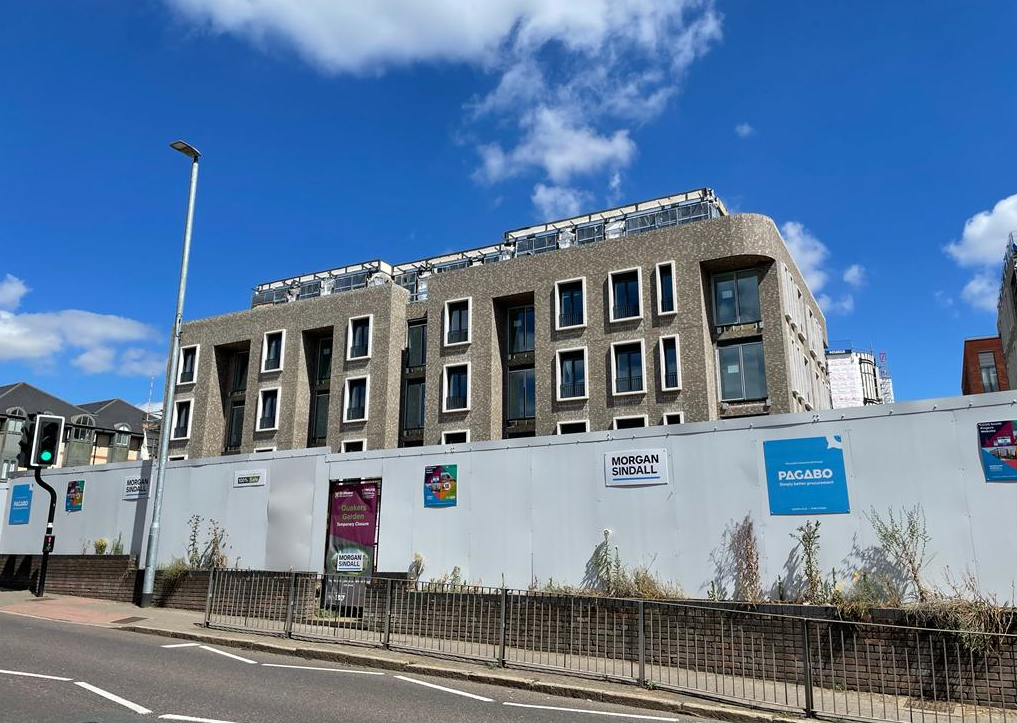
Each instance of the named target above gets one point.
<point>47,543</point>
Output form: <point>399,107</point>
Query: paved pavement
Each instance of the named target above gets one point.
<point>54,671</point>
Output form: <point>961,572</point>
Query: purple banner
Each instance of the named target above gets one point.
<point>353,521</point>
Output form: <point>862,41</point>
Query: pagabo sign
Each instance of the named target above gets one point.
<point>635,468</point>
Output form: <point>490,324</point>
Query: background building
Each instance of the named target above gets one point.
<point>983,368</point>
<point>855,378</point>
<point>660,312</point>
<point>95,432</point>
<point>1006,318</point>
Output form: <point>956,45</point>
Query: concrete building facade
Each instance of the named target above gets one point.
<point>1006,318</point>
<point>667,311</point>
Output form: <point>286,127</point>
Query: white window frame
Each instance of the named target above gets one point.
<point>469,322</point>
<point>444,387</point>
<point>558,376</point>
<point>367,399</point>
<point>614,367</point>
<point>343,444</point>
<point>180,363</point>
<point>557,304</point>
<point>176,457</point>
<point>644,417</point>
<point>282,351</point>
<point>585,422</point>
<point>663,368</point>
<point>610,291</point>
<point>349,336</point>
<point>680,413</point>
<point>278,407</point>
<point>455,431</point>
<point>674,288</point>
<point>190,417</point>
<point>263,450</point>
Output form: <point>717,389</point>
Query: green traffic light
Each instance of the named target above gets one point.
<point>46,456</point>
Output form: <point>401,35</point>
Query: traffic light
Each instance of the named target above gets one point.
<point>25,445</point>
<point>49,433</point>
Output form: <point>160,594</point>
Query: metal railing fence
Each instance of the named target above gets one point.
<point>813,665</point>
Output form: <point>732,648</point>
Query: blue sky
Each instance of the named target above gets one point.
<point>874,134</point>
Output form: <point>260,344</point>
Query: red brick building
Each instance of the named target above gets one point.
<point>984,368</point>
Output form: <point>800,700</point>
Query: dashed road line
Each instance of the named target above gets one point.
<point>180,645</point>
<point>229,655</point>
<point>594,712</point>
<point>192,719</point>
<point>331,670</point>
<point>115,698</point>
<point>34,675</point>
<point>447,690</point>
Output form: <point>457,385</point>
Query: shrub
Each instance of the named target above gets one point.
<point>904,537</point>
<point>816,591</point>
<point>118,545</point>
<point>100,545</point>
<point>745,555</point>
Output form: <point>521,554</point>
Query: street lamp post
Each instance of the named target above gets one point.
<point>170,389</point>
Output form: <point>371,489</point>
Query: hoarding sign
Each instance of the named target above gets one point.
<point>352,528</point>
<point>636,468</point>
<point>440,485</point>
<point>135,488</point>
<point>806,476</point>
<point>21,505</point>
<point>998,450</point>
<point>250,478</point>
<point>75,495</point>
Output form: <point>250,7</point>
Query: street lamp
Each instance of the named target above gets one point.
<point>168,396</point>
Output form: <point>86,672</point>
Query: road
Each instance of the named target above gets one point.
<point>101,675</point>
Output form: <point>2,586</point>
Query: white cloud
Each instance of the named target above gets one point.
<point>982,246</point>
<point>96,360</point>
<point>573,76</point>
<point>744,130</point>
<point>844,305</point>
<point>11,290</point>
<point>559,201</point>
<point>855,275</point>
<point>809,253</point>
<point>136,362</point>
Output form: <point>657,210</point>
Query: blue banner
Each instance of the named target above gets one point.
<point>21,505</point>
<point>806,476</point>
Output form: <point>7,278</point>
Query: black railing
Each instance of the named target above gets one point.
<point>632,383</point>
<point>671,380</point>
<point>453,403</point>
<point>570,318</point>
<point>265,423</point>
<point>271,363</point>
<point>187,376</point>
<point>578,389</point>
<point>358,350</point>
<point>457,336</point>
<point>626,311</point>
<point>354,414</point>
<point>179,433</point>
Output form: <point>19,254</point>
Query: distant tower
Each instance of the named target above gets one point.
<point>885,381</point>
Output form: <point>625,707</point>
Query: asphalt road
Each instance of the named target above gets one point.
<point>193,683</point>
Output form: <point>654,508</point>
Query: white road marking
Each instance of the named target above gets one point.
<point>331,670</point>
<point>229,655</point>
<point>115,698</point>
<point>192,719</point>
<point>180,645</point>
<point>34,675</point>
<point>593,712</point>
<point>447,690</point>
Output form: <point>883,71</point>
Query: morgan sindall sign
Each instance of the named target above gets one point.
<point>636,467</point>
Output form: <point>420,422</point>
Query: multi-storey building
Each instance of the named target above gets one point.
<point>855,379</point>
<point>983,368</point>
<point>659,312</point>
<point>1006,319</point>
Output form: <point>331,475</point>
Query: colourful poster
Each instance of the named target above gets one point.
<point>21,505</point>
<point>352,529</point>
<point>806,476</point>
<point>75,495</point>
<point>440,485</point>
<point>998,451</point>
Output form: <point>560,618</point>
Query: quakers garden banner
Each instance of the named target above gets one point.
<point>353,521</point>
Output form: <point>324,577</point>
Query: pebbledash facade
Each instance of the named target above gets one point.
<point>661,312</point>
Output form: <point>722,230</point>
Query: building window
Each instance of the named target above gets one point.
<point>272,351</point>
<point>323,361</point>
<point>458,437</point>
<point>413,405</point>
<point>626,297</point>
<point>627,373</point>
<point>570,300</point>
<point>573,427</point>
<point>83,428</point>
<point>264,450</point>
<point>319,418</point>
<point>742,372</point>
<point>354,445</point>
<point>670,364</point>
<point>665,288</point>
<point>16,418</point>
<point>572,374</point>
<point>268,410</point>
<point>520,329</point>
<point>736,298</point>
<point>357,398</point>
<point>358,335</point>
<point>238,372</point>
<point>416,344</point>
<point>188,365</point>
<point>634,422</point>
<point>122,437</point>
<point>673,418</point>
<point>522,394</point>
<point>457,322</point>
<point>235,426</point>
<point>181,428</point>
<point>987,368</point>
<point>457,388</point>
